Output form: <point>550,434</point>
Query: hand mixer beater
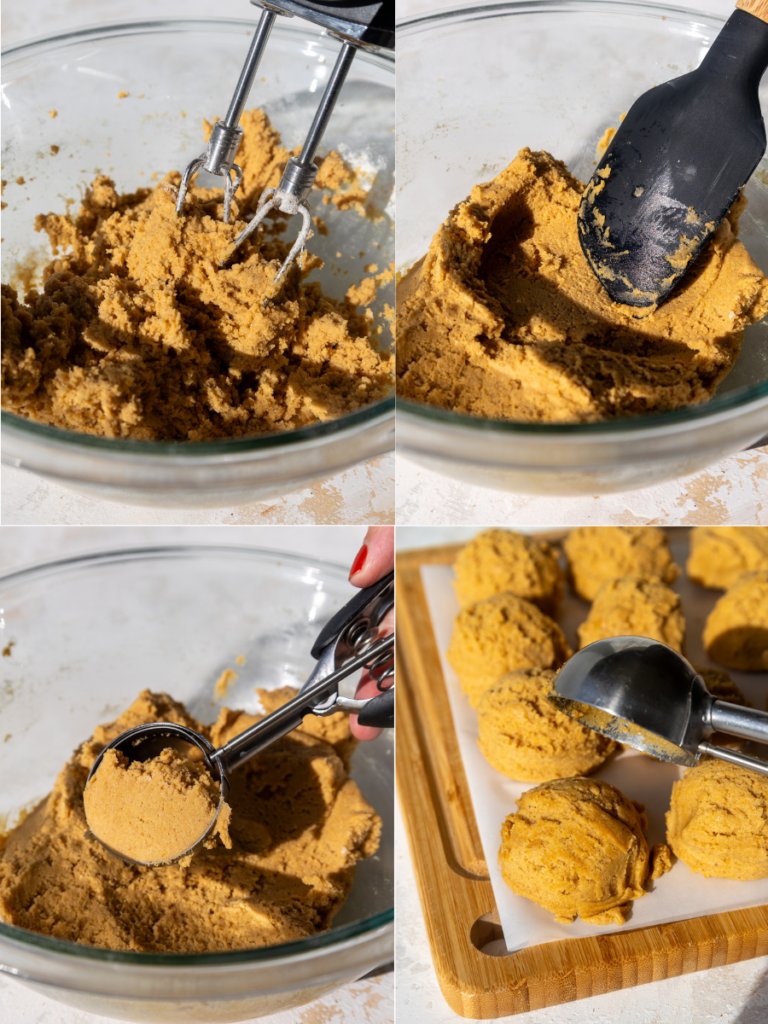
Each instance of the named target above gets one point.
<point>370,26</point>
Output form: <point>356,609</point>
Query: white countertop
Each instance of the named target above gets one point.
<point>367,1001</point>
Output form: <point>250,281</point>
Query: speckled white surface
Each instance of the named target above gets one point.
<point>367,1001</point>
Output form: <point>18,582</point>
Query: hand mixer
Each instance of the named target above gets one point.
<point>370,26</point>
<point>347,643</point>
<point>643,693</point>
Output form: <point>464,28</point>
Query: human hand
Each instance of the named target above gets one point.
<point>375,559</point>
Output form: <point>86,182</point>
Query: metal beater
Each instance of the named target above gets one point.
<point>370,26</point>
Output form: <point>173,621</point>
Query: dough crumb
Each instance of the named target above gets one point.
<point>223,683</point>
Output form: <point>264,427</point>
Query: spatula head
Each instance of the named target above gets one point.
<point>674,168</point>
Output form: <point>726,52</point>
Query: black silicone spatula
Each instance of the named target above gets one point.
<point>675,166</point>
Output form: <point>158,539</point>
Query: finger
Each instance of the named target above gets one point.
<point>375,558</point>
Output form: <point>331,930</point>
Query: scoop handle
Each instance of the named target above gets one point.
<point>734,757</point>
<point>757,7</point>
<point>749,723</point>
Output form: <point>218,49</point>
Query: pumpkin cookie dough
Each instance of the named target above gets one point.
<point>577,847</point>
<point>298,827</point>
<point>499,635</point>
<point>717,822</point>
<point>152,811</point>
<point>496,561</point>
<point>633,606</point>
<point>140,332</point>
<point>736,631</point>
<point>504,318</point>
<point>720,554</point>
<point>597,554</point>
<point>522,735</point>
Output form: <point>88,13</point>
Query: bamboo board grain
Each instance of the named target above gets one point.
<point>451,875</point>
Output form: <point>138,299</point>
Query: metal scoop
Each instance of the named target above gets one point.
<point>640,692</point>
<point>346,644</point>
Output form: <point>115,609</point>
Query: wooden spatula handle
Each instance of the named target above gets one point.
<point>757,7</point>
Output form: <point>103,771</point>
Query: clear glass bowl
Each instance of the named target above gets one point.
<point>475,86</point>
<point>88,634</point>
<point>168,67</point>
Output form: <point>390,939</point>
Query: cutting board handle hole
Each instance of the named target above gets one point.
<point>487,937</point>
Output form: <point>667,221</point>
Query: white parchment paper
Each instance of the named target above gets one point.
<point>677,895</point>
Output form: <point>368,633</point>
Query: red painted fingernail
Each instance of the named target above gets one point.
<point>359,561</point>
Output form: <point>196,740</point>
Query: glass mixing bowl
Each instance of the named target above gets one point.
<point>88,634</point>
<point>170,67</point>
<point>475,86</point>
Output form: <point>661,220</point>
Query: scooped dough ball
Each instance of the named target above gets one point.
<point>717,822</point>
<point>577,847</point>
<point>597,554</point>
<point>721,685</point>
<point>499,635</point>
<point>633,606</point>
<point>496,561</point>
<point>736,632</point>
<point>720,554</point>
<point>524,736</point>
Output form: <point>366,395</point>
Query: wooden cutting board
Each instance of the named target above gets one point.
<point>452,878</point>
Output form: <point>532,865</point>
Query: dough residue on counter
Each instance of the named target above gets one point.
<point>504,317</point>
<point>299,825</point>
<point>152,811</point>
<point>140,332</point>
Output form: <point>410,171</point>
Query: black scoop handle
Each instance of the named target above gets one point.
<point>349,612</point>
<point>379,712</point>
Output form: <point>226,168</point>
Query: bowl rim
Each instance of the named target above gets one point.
<point>626,425</point>
<point>372,414</point>
<point>380,922</point>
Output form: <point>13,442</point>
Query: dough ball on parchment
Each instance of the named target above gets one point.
<point>736,631</point>
<point>577,847</point>
<point>496,561</point>
<point>717,822</point>
<point>633,606</point>
<point>499,635</point>
<point>720,554</point>
<point>524,736</point>
<point>597,554</point>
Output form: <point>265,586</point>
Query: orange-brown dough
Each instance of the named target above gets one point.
<point>633,606</point>
<point>522,734</point>
<point>717,822</point>
<point>505,319</point>
<point>499,635</point>
<point>736,630</point>
<point>298,827</point>
<point>597,554</point>
<point>496,561</point>
<point>577,847</point>
<point>140,332</point>
<point>152,811</point>
<point>720,554</point>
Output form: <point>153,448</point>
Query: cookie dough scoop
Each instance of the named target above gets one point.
<point>174,773</point>
<point>640,692</point>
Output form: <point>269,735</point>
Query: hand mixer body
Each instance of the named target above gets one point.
<point>369,26</point>
<point>347,643</point>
